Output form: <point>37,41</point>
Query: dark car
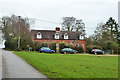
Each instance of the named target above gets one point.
<point>97,51</point>
<point>46,50</point>
<point>68,50</point>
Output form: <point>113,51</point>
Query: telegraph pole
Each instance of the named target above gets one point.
<point>19,32</point>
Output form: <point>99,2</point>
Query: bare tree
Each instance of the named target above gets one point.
<point>80,26</point>
<point>14,28</point>
<point>72,24</point>
<point>68,23</point>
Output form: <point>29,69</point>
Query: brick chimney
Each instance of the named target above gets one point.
<point>57,28</point>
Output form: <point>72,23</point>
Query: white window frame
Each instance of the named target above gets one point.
<point>39,35</point>
<point>81,37</point>
<point>56,36</point>
<point>65,37</point>
<point>77,45</point>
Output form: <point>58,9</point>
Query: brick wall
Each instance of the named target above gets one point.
<point>79,42</point>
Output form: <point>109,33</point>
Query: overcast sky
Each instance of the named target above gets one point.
<point>91,12</point>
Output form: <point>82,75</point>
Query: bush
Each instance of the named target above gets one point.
<point>52,46</point>
<point>79,49</point>
<point>62,45</point>
<point>71,46</point>
<point>88,49</point>
<point>44,44</point>
<point>96,47</point>
<point>110,45</point>
<point>39,45</point>
<point>24,44</point>
<point>11,44</point>
<point>36,46</point>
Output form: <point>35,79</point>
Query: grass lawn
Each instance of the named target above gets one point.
<point>72,66</point>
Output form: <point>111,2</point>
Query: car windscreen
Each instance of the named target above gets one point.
<point>68,49</point>
<point>96,50</point>
<point>46,49</point>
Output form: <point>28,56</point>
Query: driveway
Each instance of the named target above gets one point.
<point>15,67</point>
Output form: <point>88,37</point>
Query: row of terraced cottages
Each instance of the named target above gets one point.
<point>69,37</point>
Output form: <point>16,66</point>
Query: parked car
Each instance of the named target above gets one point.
<point>68,50</point>
<point>46,50</point>
<point>97,51</point>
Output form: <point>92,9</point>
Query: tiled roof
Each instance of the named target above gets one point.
<point>49,34</point>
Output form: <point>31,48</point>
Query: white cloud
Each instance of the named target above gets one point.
<point>91,11</point>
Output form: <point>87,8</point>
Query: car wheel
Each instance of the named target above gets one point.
<point>65,52</point>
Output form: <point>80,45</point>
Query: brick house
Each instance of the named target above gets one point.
<point>69,37</point>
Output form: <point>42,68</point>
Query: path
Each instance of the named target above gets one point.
<point>15,67</point>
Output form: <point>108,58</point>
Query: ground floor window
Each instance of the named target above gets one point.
<point>76,45</point>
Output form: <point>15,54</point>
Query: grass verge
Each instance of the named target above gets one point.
<point>72,66</point>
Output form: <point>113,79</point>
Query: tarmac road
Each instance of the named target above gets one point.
<point>15,67</point>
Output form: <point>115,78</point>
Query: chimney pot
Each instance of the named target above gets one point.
<point>57,28</point>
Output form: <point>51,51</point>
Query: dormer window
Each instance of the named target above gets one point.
<point>56,36</point>
<point>39,35</point>
<point>81,37</point>
<point>65,36</point>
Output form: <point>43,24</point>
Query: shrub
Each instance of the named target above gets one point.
<point>88,49</point>
<point>52,46</point>
<point>96,47</point>
<point>71,46</point>
<point>39,45</point>
<point>44,44</point>
<point>79,49</point>
<point>11,44</point>
<point>110,45</point>
<point>62,45</point>
<point>34,46</point>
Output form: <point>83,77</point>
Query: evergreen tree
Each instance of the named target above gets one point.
<point>110,30</point>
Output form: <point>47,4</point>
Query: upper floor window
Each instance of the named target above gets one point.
<point>65,36</point>
<point>39,35</point>
<point>56,36</point>
<point>81,37</point>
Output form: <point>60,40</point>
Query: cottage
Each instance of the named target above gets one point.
<point>69,37</point>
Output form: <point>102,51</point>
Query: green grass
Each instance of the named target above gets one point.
<point>72,66</point>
